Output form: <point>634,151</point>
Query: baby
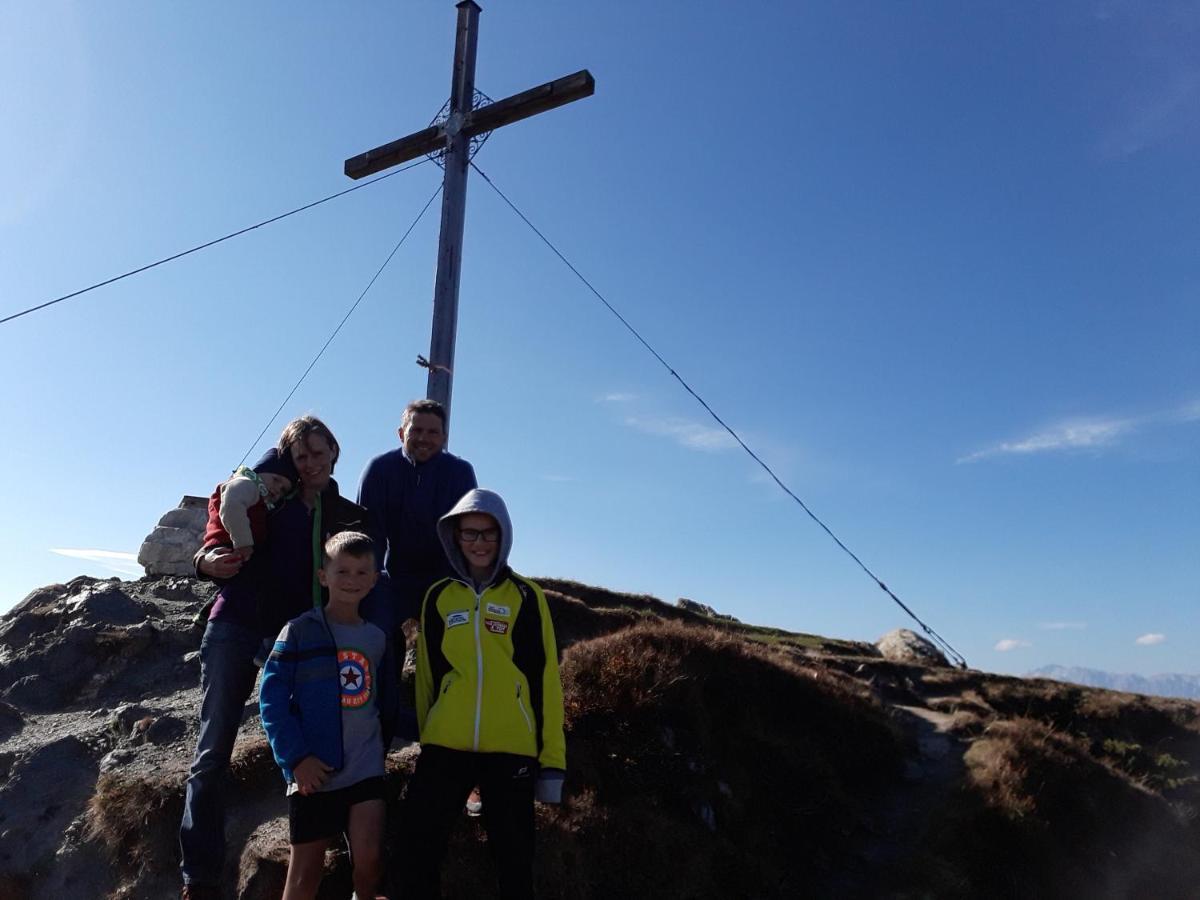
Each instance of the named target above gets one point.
<point>237,509</point>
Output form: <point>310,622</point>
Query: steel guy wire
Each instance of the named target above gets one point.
<point>937,638</point>
<point>207,244</point>
<point>349,312</point>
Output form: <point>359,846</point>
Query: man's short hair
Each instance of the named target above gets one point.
<point>423,406</point>
<point>352,543</point>
<point>300,429</point>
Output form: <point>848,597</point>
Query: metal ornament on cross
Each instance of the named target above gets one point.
<point>451,137</point>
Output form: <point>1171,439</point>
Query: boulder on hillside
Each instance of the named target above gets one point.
<point>905,645</point>
<point>702,609</point>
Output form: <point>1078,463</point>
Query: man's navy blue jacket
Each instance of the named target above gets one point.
<point>404,501</point>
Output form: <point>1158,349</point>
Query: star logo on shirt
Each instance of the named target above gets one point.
<point>354,678</point>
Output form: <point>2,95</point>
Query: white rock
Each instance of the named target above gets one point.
<point>905,645</point>
<point>169,548</point>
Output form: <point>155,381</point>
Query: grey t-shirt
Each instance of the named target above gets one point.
<point>359,650</point>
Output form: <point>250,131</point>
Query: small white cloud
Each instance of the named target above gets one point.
<point>1149,640</point>
<point>1007,644</point>
<point>1062,626</point>
<point>95,555</point>
<point>687,433</point>
<point>616,397</point>
<point>1077,434</point>
<point>114,560</point>
<point>1088,433</point>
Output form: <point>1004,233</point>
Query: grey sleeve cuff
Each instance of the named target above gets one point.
<point>549,786</point>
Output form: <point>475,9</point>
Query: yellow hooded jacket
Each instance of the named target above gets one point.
<point>487,662</point>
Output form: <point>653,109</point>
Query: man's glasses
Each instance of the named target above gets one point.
<point>471,535</point>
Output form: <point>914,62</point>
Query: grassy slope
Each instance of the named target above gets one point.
<point>1061,791</point>
<point>713,759</point>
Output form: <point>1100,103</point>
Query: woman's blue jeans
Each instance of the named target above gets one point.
<point>227,673</point>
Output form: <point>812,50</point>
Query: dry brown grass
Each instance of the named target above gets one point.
<point>582,612</point>
<point>713,759</point>
<point>968,702</point>
<point>575,621</point>
<point>965,723</point>
<point>135,816</point>
<point>701,762</point>
<point>1041,816</point>
<point>596,598</point>
<point>131,818</point>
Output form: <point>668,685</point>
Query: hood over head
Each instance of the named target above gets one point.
<point>478,500</point>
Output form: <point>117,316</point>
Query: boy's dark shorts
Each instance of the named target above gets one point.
<point>324,815</point>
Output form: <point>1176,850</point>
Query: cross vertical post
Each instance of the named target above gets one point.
<point>454,205</point>
<point>451,141</point>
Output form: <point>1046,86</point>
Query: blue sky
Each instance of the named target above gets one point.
<point>936,262</point>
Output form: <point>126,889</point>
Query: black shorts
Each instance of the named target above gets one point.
<point>325,814</point>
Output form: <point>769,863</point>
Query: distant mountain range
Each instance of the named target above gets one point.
<point>1169,685</point>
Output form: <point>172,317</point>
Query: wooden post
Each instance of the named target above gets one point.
<point>453,136</point>
<point>454,205</point>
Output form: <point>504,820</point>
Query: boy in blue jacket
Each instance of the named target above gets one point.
<point>328,706</point>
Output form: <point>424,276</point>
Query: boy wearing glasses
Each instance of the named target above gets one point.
<point>489,702</point>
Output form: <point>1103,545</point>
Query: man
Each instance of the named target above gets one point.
<point>256,598</point>
<point>405,492</point>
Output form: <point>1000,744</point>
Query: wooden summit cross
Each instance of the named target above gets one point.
<point>452,137</point>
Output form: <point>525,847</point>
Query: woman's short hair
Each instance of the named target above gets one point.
<point>301,429</point>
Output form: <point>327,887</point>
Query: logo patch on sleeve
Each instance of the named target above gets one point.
<point>495,626</point>
<point>496,610</point>
<point>459,617</point>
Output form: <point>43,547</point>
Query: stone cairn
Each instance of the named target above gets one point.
<point>169,548</point>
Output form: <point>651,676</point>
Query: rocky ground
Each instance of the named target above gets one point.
<point>708,758</point>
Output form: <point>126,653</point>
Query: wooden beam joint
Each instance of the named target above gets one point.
<point>520,106</point>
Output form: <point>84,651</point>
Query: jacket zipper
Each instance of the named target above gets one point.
<point>478,671</point>
<point>337,679</point>
<point>521,706</point>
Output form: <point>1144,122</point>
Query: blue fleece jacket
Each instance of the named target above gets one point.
<point>300,700</point>
<point>404,501</point>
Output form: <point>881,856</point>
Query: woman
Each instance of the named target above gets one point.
<point>255,600</point>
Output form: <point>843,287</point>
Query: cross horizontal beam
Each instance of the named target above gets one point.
<point>529,103</point>
<point>486,118</point>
